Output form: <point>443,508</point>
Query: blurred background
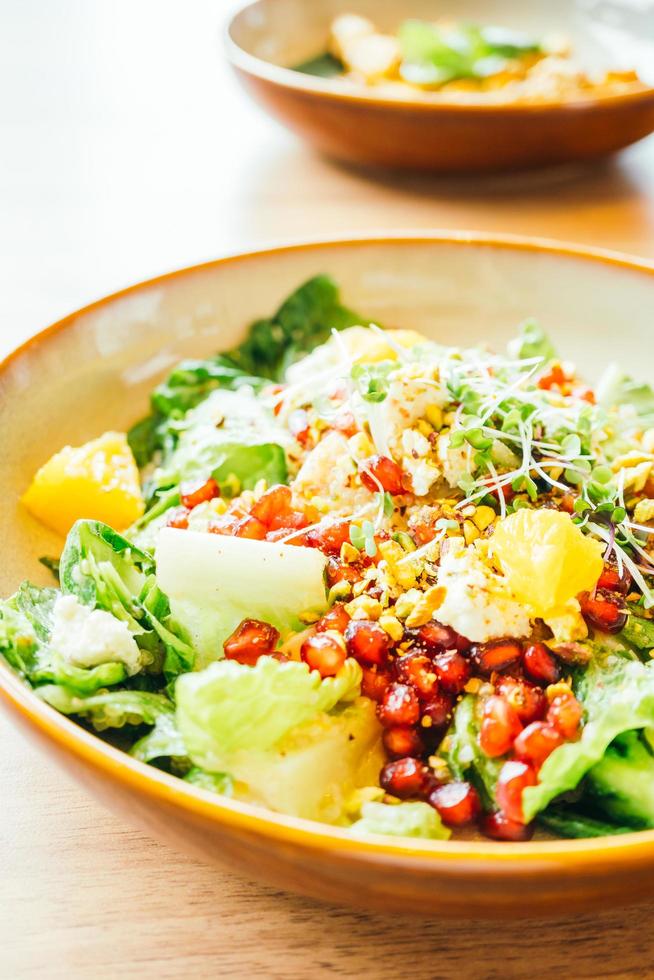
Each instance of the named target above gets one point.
<point>128,149</point>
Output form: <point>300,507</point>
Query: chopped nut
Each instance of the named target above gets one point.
<point>309,617</point>
<point>349,553</point>
<point>402,571</point>
<point>364,607</point>
<point>406,603</point>
<point>424,428</point>
<point>339,591</point>
<point>434,415</point>
<point>470,532</point>
<point>483,517</point>
<point>468,510</point>
<point>392,626</point>
<point>426,606</point>
<point>556,690</point>
<point>439,767</point>
<point>473,686</point>
<point>644,511</point>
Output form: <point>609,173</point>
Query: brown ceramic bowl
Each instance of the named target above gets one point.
<point>92,372</point>
<point>355,124</point>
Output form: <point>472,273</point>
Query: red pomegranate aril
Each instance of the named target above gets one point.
<point>500,726</point>
<point>335,619</point>
<point>612,581</point>
<point>540,665</point>
<point>499,827</point>
<point>402,740</point>
<point>382,471</point>
<point>405,778</point>
<point>194,492</point>
<point>497,655</point>
<point>374,683</point>
<point>273,503</point>
<point>438,709</point>
<point>298,424</point>
<point>457,803</point>
<point>291,521</point>
<point>536,742</point>
<point>329,538</point>
<point>340,571</point>
<point>527,700</point>
<point>178,517</point>
<point>604,613</point>
<point>554,377</point>
<point>436,638</point>
<point>399,706</point>
<point>367,642</point>
<point>250,527</point>
<point>250,640</point>
<point>565,715</point>
<point>453,671</point>
<point>418,670</point>
<point>323,653</point>
<point>514,777</point>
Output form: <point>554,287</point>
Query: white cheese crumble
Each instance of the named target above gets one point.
<point>477,603</point>
<point>87,637</point>
<point>327,473</point>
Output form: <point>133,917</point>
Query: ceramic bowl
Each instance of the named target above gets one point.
<point>358,125</point>
<point>92,372</point>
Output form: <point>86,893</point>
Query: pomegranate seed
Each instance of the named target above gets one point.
<point>405,778</point>
<point>565,714</point>
<point>418,670</point>
<point>611,581</point>
<point>436,638</point>
<point>586,394</point>
<point>500,827</point>
<point>536,742</point>
<point>603,613</point>
<point>453,671</point>
<point>457,803</point>
<point>329,538</point>
<point>567,503</point>
<point>250,527</point>
<point>380,470</point>
<point>497,655</point>
<point>323,653</point>
<point>194,492</point>
<point>514,777</point>
<point>528,702</point>
<point>223,525</point>
<point>401,741</point>
<point>178,518</point>
<point>250,640</point>
<point>438,709</point>
<point>336,619</point>
<point>374,683</point>
<point>367,642</point>
<point>423,533</point>
<point>399,706</point>
<point>499,727</point>
<point>292,521</point>
<point>298,424</point>
<point>340,571</point>
<point>271,504</point>
<point>540,664</point>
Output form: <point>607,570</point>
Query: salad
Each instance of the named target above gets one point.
<point>461,62</point>
<point>353,575</point>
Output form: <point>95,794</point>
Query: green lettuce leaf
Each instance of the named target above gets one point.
<point>228,706</point>
<point>164,741</point>
<point>110,709</point>
<point>464,755</point>
<point>532,342</point>
<point>401,820</point>
<point>638,632</point>
<point>213,782</point>
<point>566,821</point>
<point>618,696</point>
<point>622,782</point>
<point>617,388</point>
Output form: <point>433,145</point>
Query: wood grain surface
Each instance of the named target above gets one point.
<point>125,150</point>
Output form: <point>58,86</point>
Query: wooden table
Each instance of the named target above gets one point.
<point>126,150</point>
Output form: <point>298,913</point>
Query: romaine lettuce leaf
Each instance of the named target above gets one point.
<point>464,755</point>
<point>532,342</point>
<point>617,388</point>
<point>638,631</point>
<point>110,709</point>
<point>618,696</point>
<point>401,820</point>
<point>164,741</point>
<point>568,821</point>
<point>213,782</point>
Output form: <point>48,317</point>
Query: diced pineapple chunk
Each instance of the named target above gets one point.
<point>98,480</point>
<point>546,559</point>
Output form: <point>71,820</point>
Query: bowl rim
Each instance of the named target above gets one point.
<point>515,859</point>
<point>290,79</point>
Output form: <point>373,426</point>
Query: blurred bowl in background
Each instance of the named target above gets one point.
<point>359,125</point>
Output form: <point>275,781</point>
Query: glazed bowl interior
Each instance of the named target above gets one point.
<point>93,371</point>
<point>603,33</point>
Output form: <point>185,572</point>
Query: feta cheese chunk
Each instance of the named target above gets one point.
<point>87,637</point>
<point>478,604</point>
